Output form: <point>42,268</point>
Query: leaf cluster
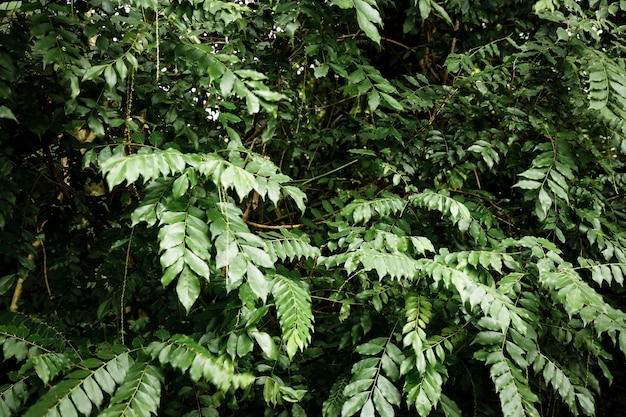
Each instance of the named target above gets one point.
<point>354,207</point>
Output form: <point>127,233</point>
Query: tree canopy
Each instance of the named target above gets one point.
<point>323,208</point>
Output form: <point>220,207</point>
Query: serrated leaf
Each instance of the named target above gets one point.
<point>322,70</point>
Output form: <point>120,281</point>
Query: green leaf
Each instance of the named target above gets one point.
<point>258,256</point>
<point>382,405</point>
<point>226,83</point>
<point>425,6</point>
<point>449,407</point>
<point>187,288</point>
<point>236,270</point>
<point>121,69</point>
<point>322,70</point>
<point>12,396</point>
<point>6,283</point>
<point>96,126</point>
<point>257,281</point>
<point>515,398</point>
<point>354,404</point>
<point>586,403</point>
<point>244,345</point>
<point>252,103</point>
<point>528,184</point>
<point>139,393</point>
<point>180,186</point>
<point>49,365</point>
<point>110,76</point>
<point>368,409</point>
<point>297,195</point>
<point>196,264</point>
<point>544,203</point>
<point>344,4</point>
<point>371,348</point>
<point>364,210</point>
<point>489,338</point>
<point>367,16</point>
<point>81,401</point>
<point>392,102</point>
<point>241,180</point>
<point>79,390</point>
<point>442,12</point>
<point>293,305</point>
<point>7,113</point>
<point>93,72</point>
<point>270,95</point>
<point>149,165</point>
<point>388,390</point>
<point>202,364</point>
<point>251,74</point>
<point>266,343</point>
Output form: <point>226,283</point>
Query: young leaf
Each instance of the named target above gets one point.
<point>293,305</point>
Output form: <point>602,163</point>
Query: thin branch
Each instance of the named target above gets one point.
<point>274,227</point>
<point>124,281</point>
<point>308,180</point>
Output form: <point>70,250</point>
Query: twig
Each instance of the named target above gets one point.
<point>274,227</point>
<point>308,180</point>
<point>36,244</point>
<point>397,43</point>
<point>125,279</point>
<point>17,293</point>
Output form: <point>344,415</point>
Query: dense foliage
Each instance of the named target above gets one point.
<point>335,208</point>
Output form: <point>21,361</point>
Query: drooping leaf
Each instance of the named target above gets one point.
<point>199,362</point>
<point>293,306</point>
